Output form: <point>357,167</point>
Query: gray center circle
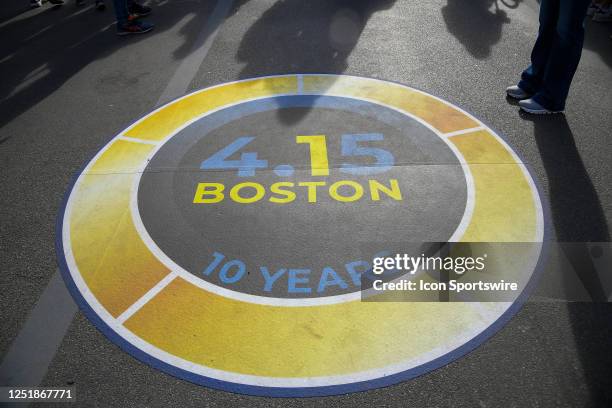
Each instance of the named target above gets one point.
<point>302,248</point>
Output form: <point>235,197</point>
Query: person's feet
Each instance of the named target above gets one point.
<point>515,92</point>
<point>138,10</point>
<point>134,27</point>
<point>531,106</point>
<point>593,9</point>
<point>603,15</point>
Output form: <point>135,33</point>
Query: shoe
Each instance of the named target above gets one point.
<point>603,15</point>
<point>515,92</point>
<point>531,106</point>
<point>138,10</point>
<point>56,2</point>
<point>35,3</point>
<point>134,27</point>
<point>593,9</point>
<point>100,5</point>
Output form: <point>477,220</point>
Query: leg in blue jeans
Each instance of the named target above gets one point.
<point>556,52</point>
<point>121,11</point>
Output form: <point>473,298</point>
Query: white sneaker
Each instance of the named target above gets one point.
<point>531,106</point>
<point>35,3</point>
<point>516,92</point>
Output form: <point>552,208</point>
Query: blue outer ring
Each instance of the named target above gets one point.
<point>301,391</point>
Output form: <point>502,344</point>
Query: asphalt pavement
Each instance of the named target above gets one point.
<point>68,84</point>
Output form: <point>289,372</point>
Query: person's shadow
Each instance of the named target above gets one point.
<point>597,39</point>
<point>296,36</point>
<point>476,24</point>
<point>42,50</point>
<point>578,219</point>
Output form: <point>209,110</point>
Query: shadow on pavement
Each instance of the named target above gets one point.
<point>296,36</point>
<point>578,218</point>
<point>12,9</point>
<point>41,51</point>
<point>597,39</point>
<point>477,24</point>
<point>577,212</point>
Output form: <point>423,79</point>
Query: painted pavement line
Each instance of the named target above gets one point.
<point>28,358</point>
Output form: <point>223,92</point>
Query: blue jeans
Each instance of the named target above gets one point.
<point>121,11</point>
<point>556,52</point>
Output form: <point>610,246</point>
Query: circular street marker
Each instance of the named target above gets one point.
<point>222,237</point>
